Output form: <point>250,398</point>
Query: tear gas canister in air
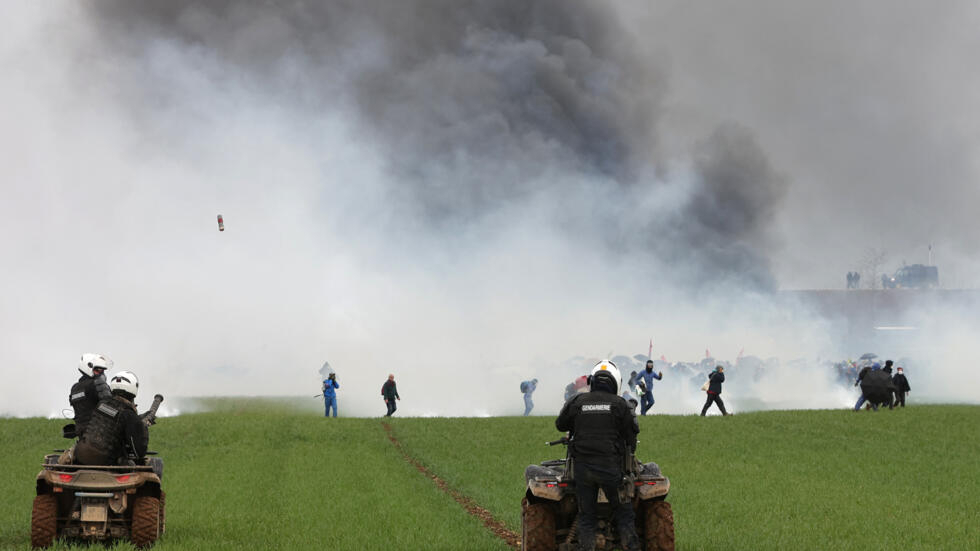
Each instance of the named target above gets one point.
<point>221,223</point>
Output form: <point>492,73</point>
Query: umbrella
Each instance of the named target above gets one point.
<point>868,356</point>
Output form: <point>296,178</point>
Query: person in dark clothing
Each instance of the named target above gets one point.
<point>390,393</point>
<point>90,389</point>
<point>877,387</point>
<point>901,387</point>
<point>714,390</point>
<point>861,375</point>
<point>603,433</point>
<point>890,385</point>
<point>116,434</point>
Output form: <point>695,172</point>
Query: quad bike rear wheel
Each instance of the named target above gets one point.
<point>146,521</point>
<point>44,521</point>
<point>537,527</point>
<point>658,524</point>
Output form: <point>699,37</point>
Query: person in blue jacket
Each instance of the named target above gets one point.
<point>330,394</point>
<point>528,388</point>
<point>645,379</point>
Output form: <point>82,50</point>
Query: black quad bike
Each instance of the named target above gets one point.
<point>549,511</point>
<point>99,502</point>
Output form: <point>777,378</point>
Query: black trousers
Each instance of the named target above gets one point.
<point>716,398</point>
<point>391,407</point>
<point>900,399</point>
<point>588,480</point>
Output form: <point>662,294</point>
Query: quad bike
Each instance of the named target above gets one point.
<point>99,502</point>
<point>549,511</point>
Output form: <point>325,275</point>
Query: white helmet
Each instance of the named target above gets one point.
<point>125,381</point>
<point>606,368</point>
<point>91,361</point>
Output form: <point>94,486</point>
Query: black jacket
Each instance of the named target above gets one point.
<point>389,390</point>
<point>864,371</point>
<point>716,378</point>
<point>901,383</point>
<point>602,426</point>
<point>115,427</point>
<point>877,386</point>
<point>85,396</point>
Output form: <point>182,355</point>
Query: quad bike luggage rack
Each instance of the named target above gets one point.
<point>126,468</point>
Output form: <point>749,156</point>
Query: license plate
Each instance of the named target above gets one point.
<point>94,512</point>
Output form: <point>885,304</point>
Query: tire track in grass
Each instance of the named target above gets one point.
<point>499,529</point>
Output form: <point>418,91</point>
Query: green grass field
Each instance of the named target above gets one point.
<point>255,474</point>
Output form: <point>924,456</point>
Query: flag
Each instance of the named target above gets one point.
<point>326,370</point>
<point>663,358</point>
<point>707,353</point>
<point>650,352</point>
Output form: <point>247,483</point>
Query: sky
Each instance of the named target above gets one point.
<point>466,194</point>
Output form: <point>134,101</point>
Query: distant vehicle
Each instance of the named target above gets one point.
<point>915,276</point>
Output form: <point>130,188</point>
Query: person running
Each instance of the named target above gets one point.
<point>528,388</point>
<point>860,378</point>
<point>390,393</point>
<point>646,378</point>
<point>714,390</point>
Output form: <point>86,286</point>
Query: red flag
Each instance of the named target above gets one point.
<point>663,358</point>
<point>707,353</point>
<point>650,353</point>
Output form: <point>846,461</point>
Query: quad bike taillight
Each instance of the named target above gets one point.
<point>66,477</point>
<point>122,478</point>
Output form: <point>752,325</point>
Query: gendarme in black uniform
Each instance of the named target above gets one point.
<point>114,425</point>
<point>85,396</point>
<point>603,430</point>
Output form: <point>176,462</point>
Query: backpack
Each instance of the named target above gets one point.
<point>523,387</point>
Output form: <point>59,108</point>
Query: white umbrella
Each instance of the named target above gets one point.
<point>326,370</point>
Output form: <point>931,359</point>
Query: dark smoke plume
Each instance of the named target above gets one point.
<point>734,201</point>
<point>477,106</point>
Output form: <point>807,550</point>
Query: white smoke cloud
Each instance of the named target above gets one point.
<point>461,247</point>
